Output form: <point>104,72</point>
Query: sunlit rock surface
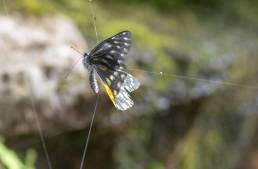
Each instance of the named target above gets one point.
<point>36,58</point>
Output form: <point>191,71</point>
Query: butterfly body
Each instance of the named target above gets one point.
<point>86,63</point>
<point>106,60</point>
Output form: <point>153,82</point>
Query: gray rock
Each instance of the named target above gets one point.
<point>35,58</point>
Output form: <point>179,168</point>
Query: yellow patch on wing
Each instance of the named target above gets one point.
<point>110,94</point>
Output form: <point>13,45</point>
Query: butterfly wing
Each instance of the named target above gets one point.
<point>112,51</point>
<point>107,58</point>
<point>117,85</point>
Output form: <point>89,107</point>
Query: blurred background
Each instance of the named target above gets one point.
<point>197,107</point>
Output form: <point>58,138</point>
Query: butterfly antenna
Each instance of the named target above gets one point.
<point>77,50</point>
<point>70,71</point>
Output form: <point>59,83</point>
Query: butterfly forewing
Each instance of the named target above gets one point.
<point>120,42</point>
<point>112,50</point>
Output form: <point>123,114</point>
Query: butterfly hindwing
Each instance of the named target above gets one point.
<point>130,83</point>
<point>117,85</point>
<point>114,79</point>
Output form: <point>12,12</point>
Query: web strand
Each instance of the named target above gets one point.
<point>73,67</point>
<point>197,79</point>
<point>42,139</point>
<point>77,61</point>
<point>94,18</point>
<point>89,133</point>
<point>5,7</point>
<point>97,100</point>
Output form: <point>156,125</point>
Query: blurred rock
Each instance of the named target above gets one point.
<point>35,59</point>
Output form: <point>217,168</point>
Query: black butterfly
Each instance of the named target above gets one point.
<point>106,59</point>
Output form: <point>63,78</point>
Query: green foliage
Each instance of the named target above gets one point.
<point>172,5</point>
<point>156,165</point>
<point>12,161</point>
<point>207,152</point>
<point>131,152</point>
<point>216,139</point>
<point>35,7</point>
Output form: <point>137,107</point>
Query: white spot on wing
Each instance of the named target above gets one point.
<point>112,51</point>
<point>107,45</point>
<point>123,100</point>
<point>125,50</point>
<point>109,57</point>
<point>130,83</point>
<point>108,81</point>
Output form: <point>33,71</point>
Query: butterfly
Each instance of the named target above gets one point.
<point>107,61</point>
